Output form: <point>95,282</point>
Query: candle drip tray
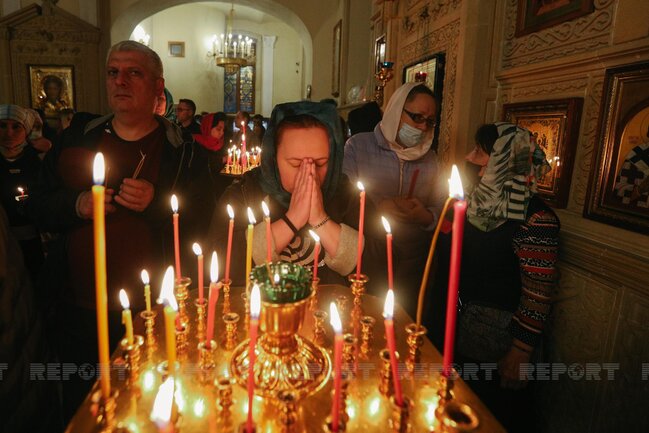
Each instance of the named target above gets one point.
<point>304,370</point>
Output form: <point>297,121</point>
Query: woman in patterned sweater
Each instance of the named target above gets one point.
<point>508,270</point>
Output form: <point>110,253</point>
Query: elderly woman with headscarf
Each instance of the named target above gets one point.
<point>508,271</point>
<point>19,168</point>
<point>301,180</point>
<point>398,167</point>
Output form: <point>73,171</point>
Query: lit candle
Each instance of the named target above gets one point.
<point>229,250</point>
<point>269,233</point>
<point>244,162</point>
<point>214,296</point>
<point>316,253</point>
<point>388,311</point>
<point>147,289</point>
<point>361,223</point>
<point>171,307</point>
<point>162,406</point>
<point>99,231</point>
<point>388,241</point>
<point>199,255</point>
<point>229,162</point>
<point>459,211</point>
<point>174,208</point>
<point>21,190</point>
<point>338,358</point>
<point>234,45</point>
<point>255,306</point>
<point>251,224</point>
<point>127,319</point>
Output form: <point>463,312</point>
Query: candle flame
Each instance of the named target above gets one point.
<point>264,208</point>
<point>360,186</point>
<point>251,217</point>
<point>167,291</point>
<point>230,211</point>
<point>123,299</point>
<point>145,276</point>
<point>214,268</point>
<point>388,307</point>
<point>335,319</point>
<point>161,412</point>
<point>314,235</point>
<point>276,278</point>
<point>455,184</point>
<point>386,225</point>
<point>99,169</point>
<point>243,136</point>
<point>21,190</point>
<point>197,249</point>
<point>255,302</point>
<point>174,203</point>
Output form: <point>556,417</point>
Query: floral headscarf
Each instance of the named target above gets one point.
<point>269,175</point>
<point>510,179</point>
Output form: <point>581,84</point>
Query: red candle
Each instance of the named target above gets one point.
<point>229,251</point>
<point>316,253</point>
<point>413,182</point>
<point>213,296</point>
<point>361,222</point>
<point>269,233</point>
<point>255,306</point>
<point>338,361</point>
<point>174,209</point>
<point>199,254</point>
<point>388,310</point>
<point>459,208</point>
<point>388,241</point>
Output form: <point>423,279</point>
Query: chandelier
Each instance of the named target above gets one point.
<point>232,52</point>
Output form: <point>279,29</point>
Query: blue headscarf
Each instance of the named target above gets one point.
<point>269,177</point>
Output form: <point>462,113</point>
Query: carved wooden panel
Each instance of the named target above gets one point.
<point>580,35</point>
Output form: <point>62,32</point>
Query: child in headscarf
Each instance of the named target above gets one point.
<point>301,180</point>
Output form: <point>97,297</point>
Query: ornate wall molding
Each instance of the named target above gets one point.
<point>420,14</point>
<point>584,34</point>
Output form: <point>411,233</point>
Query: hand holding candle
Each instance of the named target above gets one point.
<point>213,296</point>
<point>127,319</point>
<point>255,307</point>
<point>147,289</point>
<point>199,255</point>
<point>99,232</point>
<point>269,233</point>
<point>459,211</point>
<point>337,326</point>
<point>388,241</point>
<point>316,253</point>
<point>174,209</point>
<point>229,250</point>
<point>388,313</point>
<point>171,307</point>
<point>361,222</point>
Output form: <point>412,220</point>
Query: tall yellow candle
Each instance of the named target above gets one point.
<point>127,319</point>
<point>99,226</point>
<point>147,289</point>
<point>171,307</point>
<point>252,221</point>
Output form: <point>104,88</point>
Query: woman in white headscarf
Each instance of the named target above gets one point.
<point>398,166</point>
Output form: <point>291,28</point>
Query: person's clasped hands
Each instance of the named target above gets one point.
<point>306,206</point>
<point>134,194</point>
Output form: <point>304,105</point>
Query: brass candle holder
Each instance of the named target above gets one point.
<point>314,298</point>
<point>182,293</point>
<point>456,417</point>
<point>328,427</point>
<point>131,354</point>
<point>224,393</point>
<point>445,387</point>
<point>206,363</point>
<point>358,286</point>
<point>231,321</point>
<point>103,409</point>
<point>182,343</point>
<point>367,325</point>
<point>243,428</point>
<point>149,323</point>
<point>201,311</point>
<point>341,303</point>
<point>344,393</point>
<point>349,349</point>
<point>319,317</point>
<point>415,340</point>
<point>399,420</point>
<point>288,408</point>
<point>386,386</point>
<point>226,295</point>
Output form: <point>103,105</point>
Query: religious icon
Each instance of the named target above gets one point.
<point>51,91</point>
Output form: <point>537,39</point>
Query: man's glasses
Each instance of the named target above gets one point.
<point>419,119</point>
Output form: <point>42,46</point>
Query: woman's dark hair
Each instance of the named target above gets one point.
<point>421,89</point>
<point>300,121</point>
<point>486,136</point>
<point>219,117</point>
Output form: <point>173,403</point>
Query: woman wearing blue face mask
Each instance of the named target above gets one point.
<point>387,160</point>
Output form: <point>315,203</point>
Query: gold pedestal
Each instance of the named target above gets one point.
<point>285,361</point>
